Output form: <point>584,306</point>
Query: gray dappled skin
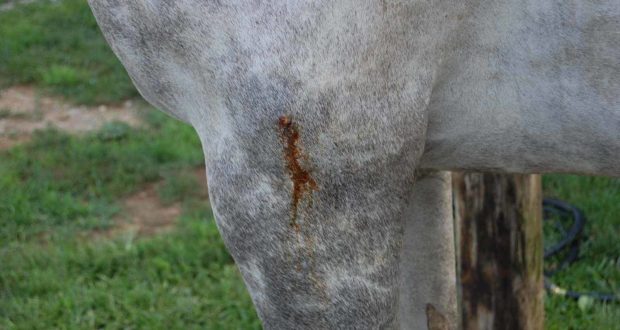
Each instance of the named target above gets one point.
<point>315,115</point>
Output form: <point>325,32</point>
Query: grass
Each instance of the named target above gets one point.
<point>598,268</point>
<point>58,188</point>
<point>57,46</point>
<point>179,186</point>
<point>182,280</point>
<point>179,280</point>
<point>61,179</point>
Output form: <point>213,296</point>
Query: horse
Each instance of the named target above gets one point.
<point>329,127</point>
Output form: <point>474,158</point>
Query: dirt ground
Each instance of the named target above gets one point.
<point>143,213</point>
<point>23,110</point>
<point>10,4</point>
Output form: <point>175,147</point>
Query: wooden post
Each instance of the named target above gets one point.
<point>499,237</point>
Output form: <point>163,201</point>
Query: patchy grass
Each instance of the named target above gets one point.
<point>59,180</point>
<point>180,186</point>
<point>57,187</point>
<point>57,45</point>
<point>6,113</point>
<point>598,268</point>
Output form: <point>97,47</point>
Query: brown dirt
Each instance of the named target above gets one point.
<point>10,4</point>
<point>143,213</point>
<point>23,110</point>
<point>201,176</point>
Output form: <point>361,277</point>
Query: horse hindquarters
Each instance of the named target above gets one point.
<point>312,117</point>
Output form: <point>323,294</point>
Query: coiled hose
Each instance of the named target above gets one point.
<point>569,244</point>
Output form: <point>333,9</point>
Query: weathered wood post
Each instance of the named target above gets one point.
<point>499,238</point>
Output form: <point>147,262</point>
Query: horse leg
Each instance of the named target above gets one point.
<point>428,278</point>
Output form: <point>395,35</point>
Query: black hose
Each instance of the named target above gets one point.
<point>569,244</point>
<point>572,237</point>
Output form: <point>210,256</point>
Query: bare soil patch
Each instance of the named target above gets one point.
<point>10,4</point>
<point>23,110</point>
<point>143,213</point>
<point>201,176</point>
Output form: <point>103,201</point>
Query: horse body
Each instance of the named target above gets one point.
<point>533,87</point>
<point>316,118</point>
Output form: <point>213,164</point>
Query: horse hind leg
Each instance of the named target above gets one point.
<point>428,294</point>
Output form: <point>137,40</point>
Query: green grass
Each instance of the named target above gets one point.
<point>57,46</point>
<point>181,280</point>
<point>179,186</point>
<point>58,188</point>
<point>598,268</point>
<point>61,179</point>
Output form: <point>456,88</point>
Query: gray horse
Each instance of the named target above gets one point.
<point>326,126</point>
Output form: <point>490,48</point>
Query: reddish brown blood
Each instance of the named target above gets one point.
<point>303,183</point>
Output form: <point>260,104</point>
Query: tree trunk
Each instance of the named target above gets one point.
<point>499,237</point>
